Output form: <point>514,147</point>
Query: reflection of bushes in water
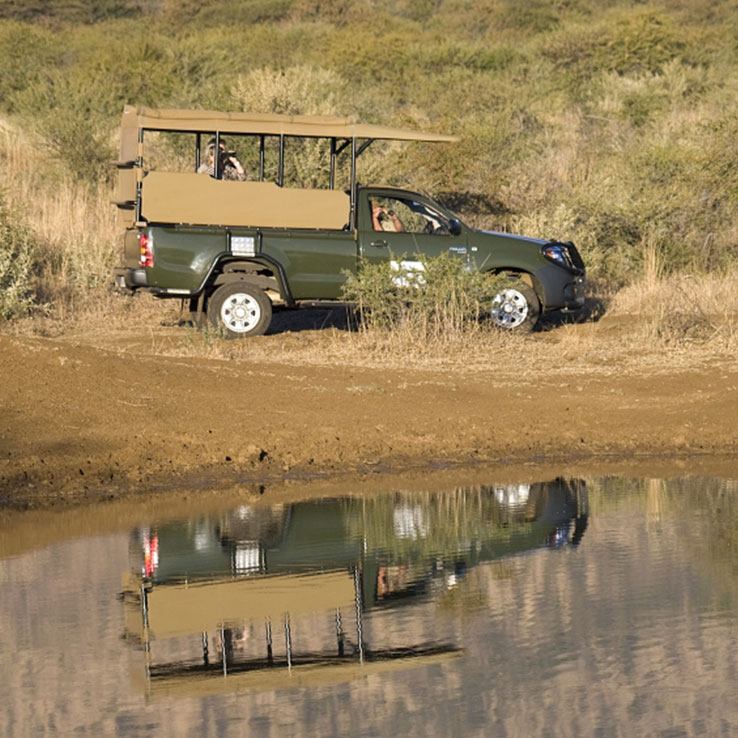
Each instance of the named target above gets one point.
<point>700,512</point>
<point>252,523</point>
<point>713,504</point>
<point>447,523</point>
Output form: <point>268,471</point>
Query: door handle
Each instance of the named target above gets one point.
<point>378,244</point>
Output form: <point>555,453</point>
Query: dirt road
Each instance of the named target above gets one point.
<point>80,420</point>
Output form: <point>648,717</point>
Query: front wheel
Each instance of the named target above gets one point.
<point>515,307</point>
<point>240,310</point>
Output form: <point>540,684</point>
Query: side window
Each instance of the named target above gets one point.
<point>390,214</point>
<point>413,219</point>
<point>399,214</point>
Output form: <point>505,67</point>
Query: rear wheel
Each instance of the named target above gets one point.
<point>515,307</point>
<point>240,309</point>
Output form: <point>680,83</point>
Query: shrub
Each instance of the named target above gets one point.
<point>239,13</point>
<point>80,11</point>
<point>300,90</point>
<point>59,235</point>
<point>683,309</point>
<point>533,16</point>
<point>17,256</point>
<point>27,52</point>
<point>337,12</point>
<point>73,118</point>
<point>426,298</point>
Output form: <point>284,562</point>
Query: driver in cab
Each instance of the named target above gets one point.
<point>385,219</point>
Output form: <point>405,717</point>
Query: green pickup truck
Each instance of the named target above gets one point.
<point>234,248</point>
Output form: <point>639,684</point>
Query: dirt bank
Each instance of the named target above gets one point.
<point>90,419</point>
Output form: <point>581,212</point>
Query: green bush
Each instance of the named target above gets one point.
<point>17,261</point>
<point>533,16</point>
<point>425,297</point>
<point>71,11</point>
<point>234,12</point>
<point>27,53</point>
<point>73,118</point>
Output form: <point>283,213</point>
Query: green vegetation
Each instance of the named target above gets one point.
<point>611,123</point>
<point>17,257</point>
<point>440,524</point>
<point>440,301</point>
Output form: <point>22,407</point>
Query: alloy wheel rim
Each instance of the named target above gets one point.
<point>509,308</point>
<point>240,313</point>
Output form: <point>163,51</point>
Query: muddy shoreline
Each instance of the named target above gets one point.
<point>83,423</point>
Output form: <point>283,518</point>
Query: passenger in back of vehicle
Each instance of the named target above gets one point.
<point>230,167</point>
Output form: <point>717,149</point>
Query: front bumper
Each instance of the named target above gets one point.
<point>560,288</point>
<point>574,294</point>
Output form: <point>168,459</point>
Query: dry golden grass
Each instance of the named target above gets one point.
<point>621,343</point>
<point>73,225</point>
<point>682,310</point>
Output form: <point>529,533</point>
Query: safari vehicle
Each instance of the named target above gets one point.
<point>234,249</point>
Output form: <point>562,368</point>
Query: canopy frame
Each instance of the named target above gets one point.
<point>341,133</point>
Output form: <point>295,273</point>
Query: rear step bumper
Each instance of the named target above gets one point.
<point>130,278</point>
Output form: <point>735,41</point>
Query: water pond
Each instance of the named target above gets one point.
<point>572,607</point>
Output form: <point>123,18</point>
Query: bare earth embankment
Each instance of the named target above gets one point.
<point>88,416</point>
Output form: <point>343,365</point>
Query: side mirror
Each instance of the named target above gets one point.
<point>454,227</point>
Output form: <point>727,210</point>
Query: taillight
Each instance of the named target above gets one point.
<point>145,250</point>
<point>151,555</point>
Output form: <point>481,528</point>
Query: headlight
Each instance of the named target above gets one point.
<point>559,254</point>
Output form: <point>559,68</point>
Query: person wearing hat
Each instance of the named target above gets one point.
<point>230,167</point>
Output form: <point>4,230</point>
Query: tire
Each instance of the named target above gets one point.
<point>515,307</point>
<point>240,310</point>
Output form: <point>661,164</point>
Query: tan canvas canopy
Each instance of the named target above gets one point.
<point>178,610</point>
<point>314,126</point>
<point>183,197</point>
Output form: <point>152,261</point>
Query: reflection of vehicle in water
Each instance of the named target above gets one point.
<point>259,569</point>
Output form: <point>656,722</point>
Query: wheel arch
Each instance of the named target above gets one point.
<point>228,270</point>
<point>263,271</point>
<point>529,278</point>
<point>255,273</point>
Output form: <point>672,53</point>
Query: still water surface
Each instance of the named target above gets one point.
<point>604,607</point>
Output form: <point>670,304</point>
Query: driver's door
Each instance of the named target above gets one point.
<point>382,233</point>
<point>402,226</point>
